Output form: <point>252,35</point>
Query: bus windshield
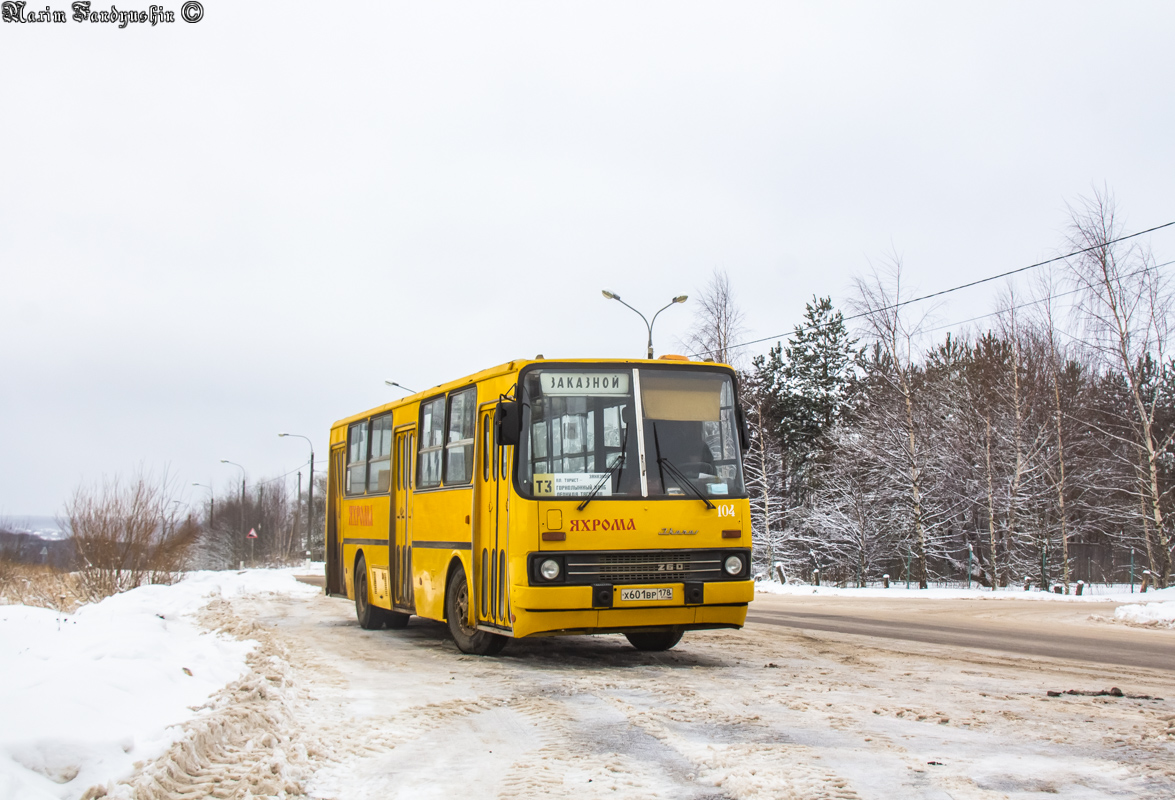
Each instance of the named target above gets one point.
<point>585,433</point>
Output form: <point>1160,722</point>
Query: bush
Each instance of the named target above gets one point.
<point>125,536</point>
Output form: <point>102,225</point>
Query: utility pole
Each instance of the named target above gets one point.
<point>309,491</point>
<point>310,505</point>
<point>298,517</point>
<point>241,515</point>
<point>211,503</point>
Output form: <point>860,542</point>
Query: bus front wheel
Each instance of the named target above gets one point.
<point>469,639</point>
<point>655,641</point>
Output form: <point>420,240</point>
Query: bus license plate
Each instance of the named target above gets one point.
<point>646,594</point>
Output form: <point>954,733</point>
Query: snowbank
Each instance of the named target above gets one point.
<point>85,696</point>
<point>1091,594</point>
<point>1159,615</point>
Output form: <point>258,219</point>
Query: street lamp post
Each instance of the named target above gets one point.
<point>681,298</point>
<point>310,489</point>
<point>242,514</point>
<point>398,386</point>
<point>211,502</point>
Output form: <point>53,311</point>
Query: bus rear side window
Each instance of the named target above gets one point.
<point>432,443</point>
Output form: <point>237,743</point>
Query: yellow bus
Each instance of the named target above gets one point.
<point>547,497</point>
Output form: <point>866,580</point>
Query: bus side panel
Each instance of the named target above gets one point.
<point>363,526</point>
<point>441,525</point>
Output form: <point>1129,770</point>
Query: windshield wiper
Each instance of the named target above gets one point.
<point>618,464</point>
<point>677,473</point>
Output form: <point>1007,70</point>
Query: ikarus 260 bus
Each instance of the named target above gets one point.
<point>546,497</point>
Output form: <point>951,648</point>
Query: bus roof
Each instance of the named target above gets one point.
<point>505,369</point>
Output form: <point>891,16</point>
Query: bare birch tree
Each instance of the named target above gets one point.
<point>1126,304</point>
<point>718,321</point>
<point>880,300</point>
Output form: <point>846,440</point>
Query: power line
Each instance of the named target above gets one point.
<point>950,290</point>
<point>1041,300</point>
<point>280,477</point>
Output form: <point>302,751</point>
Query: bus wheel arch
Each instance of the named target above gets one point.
<point>457,600</point>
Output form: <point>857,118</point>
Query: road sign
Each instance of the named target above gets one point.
<point>252,534</point>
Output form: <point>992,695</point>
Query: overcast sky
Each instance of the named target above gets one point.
<point>213,232</point>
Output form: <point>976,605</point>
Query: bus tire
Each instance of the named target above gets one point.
<point>469,640</point>
<point>655,641</point>
<point>370,618</point>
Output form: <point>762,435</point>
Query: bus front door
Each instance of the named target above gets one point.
<point>401,544</point>
<point>489,535</point>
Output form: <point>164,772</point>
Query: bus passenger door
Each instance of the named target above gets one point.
<point>401,544</point>
<point>487,554</point>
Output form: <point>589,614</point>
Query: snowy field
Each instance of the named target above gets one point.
<point>251,684</point>
<point>1154,608</point>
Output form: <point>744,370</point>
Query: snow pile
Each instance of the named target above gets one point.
<point>1156,615</point>
<point>86,696</point>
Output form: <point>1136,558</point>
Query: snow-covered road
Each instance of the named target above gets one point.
<point>761,713</point>
<point>328,710</point>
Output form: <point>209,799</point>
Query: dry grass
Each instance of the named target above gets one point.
<point>44,587</point>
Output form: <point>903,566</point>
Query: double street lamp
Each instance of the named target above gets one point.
<point>679,299</point>
<point>310,490</point>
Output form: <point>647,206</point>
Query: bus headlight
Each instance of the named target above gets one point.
<point>733,565</point>
<point>549,569</point>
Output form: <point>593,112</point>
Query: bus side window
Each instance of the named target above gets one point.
<point>380,455</point>
<point>356,457</point>
<point>432,443</point>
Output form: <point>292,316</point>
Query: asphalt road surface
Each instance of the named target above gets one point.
<point>1049,629</point>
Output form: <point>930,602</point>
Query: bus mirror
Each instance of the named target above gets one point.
<point>744,438</point>
<point>508,422</point>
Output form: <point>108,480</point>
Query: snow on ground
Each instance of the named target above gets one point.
<point>1159,615</point>
<point>295,699</point>
<point>765,713</point>
<point>87,695</point>
<point>1093,593</point>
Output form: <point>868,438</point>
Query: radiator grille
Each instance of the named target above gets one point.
<point>646,567</point>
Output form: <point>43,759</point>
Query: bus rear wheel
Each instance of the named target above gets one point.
<point>469,640</point>
<point>655,641</point>
<point>370,618</point>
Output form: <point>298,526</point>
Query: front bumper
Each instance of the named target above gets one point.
<point>570,609</point>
